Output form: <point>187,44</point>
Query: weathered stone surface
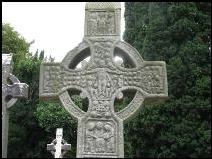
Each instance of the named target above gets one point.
<point>14,90</point>
<point>101,80</point>
<point>59,146</point>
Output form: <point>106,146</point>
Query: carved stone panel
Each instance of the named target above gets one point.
<point>100,136</point>
<point>101,23</point>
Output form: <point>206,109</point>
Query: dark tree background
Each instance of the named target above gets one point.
<point>33,122</point>
<point>25,135</point>
<point>178,33</point>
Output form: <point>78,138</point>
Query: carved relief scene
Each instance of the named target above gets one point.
<point>100,137</point>
<point>101,88</point>
<point>101,22</point>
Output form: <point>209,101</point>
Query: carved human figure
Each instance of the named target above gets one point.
<point>102,80</point>
<point>110,23</point>
<point>93,23</point>
<point>101,23</point>
<point>90,138</point>
<point>109,138</point>
<point>100,141</point>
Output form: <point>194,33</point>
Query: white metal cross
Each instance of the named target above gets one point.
<point>59,146</point>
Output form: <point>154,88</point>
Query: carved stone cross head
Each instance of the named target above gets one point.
<point>59,146</point>
<point>101,81</point>
<point>11,86</point>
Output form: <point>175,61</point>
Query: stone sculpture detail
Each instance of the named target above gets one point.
<point>101,23</point>
<point>101,80</point>
<point>100,137</point>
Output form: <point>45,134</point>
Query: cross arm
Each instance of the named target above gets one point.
<point>55,79</point>
<point>54,82</point>
<point>50,147</point>
<point>50,80</point>
<point>17,90</point>
<point>150,78</point>
<point>150,81</point>
<point>66,147</point>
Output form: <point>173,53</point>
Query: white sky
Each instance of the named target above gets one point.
<point>56,27</point>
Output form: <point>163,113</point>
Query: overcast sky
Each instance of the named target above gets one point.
<point>56,27</point>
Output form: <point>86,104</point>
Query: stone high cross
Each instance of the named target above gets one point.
<point>59,146</point>
<point>12,89</point>
<point>101,80</point>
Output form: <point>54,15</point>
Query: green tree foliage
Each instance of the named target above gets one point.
<point>13,43</point>
<point>52,115</point>
<point>180,34</point>
<point>33,122</point>
<point>25,135</point>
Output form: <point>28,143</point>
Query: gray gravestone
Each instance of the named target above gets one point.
<point>101,80</point>
<point>11,87</point>
<point>59,146</point>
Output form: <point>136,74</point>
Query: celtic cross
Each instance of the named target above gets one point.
<point>12,89</point>
<point>101,81</point>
